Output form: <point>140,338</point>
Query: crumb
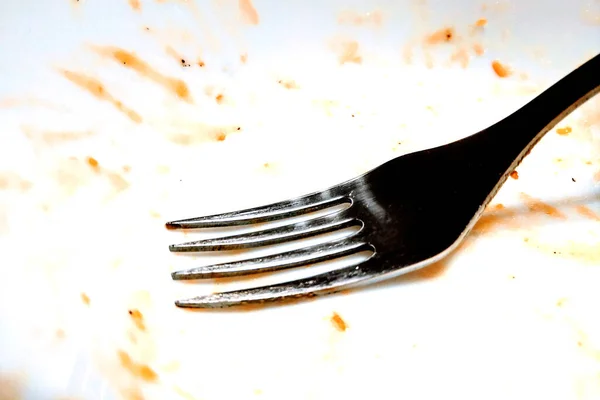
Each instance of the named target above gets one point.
<point>501,70</point>
<point>85,298</point>
<point>564,131</point>
<point>338,322</point>
<point>514,175</point>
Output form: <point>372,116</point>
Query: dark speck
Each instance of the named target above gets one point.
<point>238,128</point>
<point>352,115</point>
<point>573,179</point>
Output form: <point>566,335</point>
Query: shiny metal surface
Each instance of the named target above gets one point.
<point>407,229</point>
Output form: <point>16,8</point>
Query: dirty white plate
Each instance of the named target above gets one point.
<point>116,116</point>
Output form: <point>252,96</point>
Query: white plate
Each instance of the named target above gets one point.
<point>321,93</point>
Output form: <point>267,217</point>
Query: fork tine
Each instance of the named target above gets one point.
<point>274,262</point>
<point>328,223</point>
<point>275,211</point>
<point>324,283</point>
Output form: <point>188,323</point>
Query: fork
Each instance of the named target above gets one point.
<point>411,211</point>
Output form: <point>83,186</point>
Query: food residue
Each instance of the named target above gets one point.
<point>219,98</point>
<point>441,36</point>
<point>481,22</point>
<point>348,52</point>
<point>564,131</point>
<point>221,136</point>
<point>514,175</point>
<point>338,322</point>
<point>431,271</point>
<point>200,63</point>
<point>92,162</point>
<point>461,56</point>
<point>138,319</point>
<point>133,62</point>
<point>353,18</point>
<point>96,88</point>
<point>135,5</point>
<point>85,298</point>
<point>587,212</point>
<point>500,69</point>
<point>141,371</point>
<point>244,58</point>
<point>537,206</point>
<point>248,12</point>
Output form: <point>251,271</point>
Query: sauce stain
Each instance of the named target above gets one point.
<point>96,88</point>
<point>443,35</point>
<point>248,12</point>
<point>564,131</point>
<point>538,206</point>
<point>514,175</point>
<point>85,299</point>
<point>92,162</point>
<point>135,5</point>
<point>348,52</point>
<point>478,49</point>
<point>481,22</point>
<point>138,319</point>
<point>431,271</point>
<point>368,19</point>
<point>141,371</point>
<point>131,61</point>
<point>500,69</point>
<point>587,212</point>
<point>338,323</point>
<point>288,84</point>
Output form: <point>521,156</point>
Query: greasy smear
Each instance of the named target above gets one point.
<point>500,69</point>
<point>538,206</point>
<point>248,12</point>
<point>564,131</point>
<point>141,371</point>
<point>12,386</point>
<point>338,323</point>
<point>497,216</point>
<point>587,212</point>
<point>85,298</point>
<point>514,175</point>
<point>138,319</point>
<point>348,52</point>
<point>131,61</point>
<point>96,88</point>
<point>12,181</point>
<point>368,19</point>
<point>441,36</point>
<point>135,5</point>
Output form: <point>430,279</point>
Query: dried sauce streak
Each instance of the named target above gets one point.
<point>535,205</point>
<point>338,322</point>
<point>500,69</point>
<point>96,88</point>
<point>248,12</point>
<point>131,61</point>
<point>141,371</point>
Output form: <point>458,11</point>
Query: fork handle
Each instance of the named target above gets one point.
<point>510,140</point>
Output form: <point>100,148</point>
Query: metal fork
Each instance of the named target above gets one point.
<point>412,211</point>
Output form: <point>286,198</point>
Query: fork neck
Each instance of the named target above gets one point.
<point>507,142</point>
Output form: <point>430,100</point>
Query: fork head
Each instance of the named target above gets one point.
<point>403,219</point>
